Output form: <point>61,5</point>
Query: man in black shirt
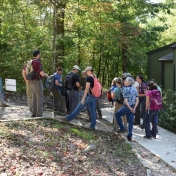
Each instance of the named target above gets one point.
<point>74,92</point>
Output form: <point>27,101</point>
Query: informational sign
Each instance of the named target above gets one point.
<point>10,84</point>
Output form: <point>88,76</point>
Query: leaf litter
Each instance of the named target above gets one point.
<point>48,148</point>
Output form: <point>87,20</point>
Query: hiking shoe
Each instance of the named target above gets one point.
<point>136,123</point>
<point>4,105</point>
<point>61,113</point>
<point>153,137</point>
<point>92,128</point>
<point>141,126</point>
<point>33,115</point>
<point>145,137</point>
<point>100,117</point>
<point>64,119</point>
<point>88,120</point>
<point>129,138</point>
<point>121,131</point>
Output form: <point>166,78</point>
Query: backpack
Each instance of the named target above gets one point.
<point>97,89</point>
<point>68,81</point>
<point>109,96</point>
<point>155,100</point>
<point>30,73</point>
<point>120,99</point>
<point>50,82</point>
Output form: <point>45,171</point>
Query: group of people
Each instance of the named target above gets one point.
<point>138,101</point>
<point>74,93</point>
<point>136,95</point>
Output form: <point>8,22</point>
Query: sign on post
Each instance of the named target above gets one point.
<point>10,84</point>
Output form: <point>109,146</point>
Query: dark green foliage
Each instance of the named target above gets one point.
<point>167,116</point>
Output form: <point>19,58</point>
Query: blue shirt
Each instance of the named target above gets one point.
<point>59,78</point>
<point>130,93</point>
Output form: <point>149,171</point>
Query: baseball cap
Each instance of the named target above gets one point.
<point>75,67</point>
<point>126,75</point>
<point>88,68</point>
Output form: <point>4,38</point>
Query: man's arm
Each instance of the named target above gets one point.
<point>57,83</point>
<point>43,74</point>
<point>24,76</point>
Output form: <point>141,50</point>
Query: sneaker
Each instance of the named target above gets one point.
<point>121,131</point>
<point>129,138</point>
<point>61,113</point>
<point>145,137</point>
<point>153,137</point>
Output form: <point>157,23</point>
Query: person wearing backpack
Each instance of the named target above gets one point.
<point>153,104</point>
<point>73,86</point>
<point>28,88</point>
<point>142,99</point>
<point>92,91</point>
<point>56,91</point>
<point>37,86</point>
<point>131,101</point>
<point>116,96</point>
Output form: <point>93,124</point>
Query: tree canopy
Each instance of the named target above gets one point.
<point>113,36</point>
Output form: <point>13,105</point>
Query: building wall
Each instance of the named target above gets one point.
<point>154,66</point>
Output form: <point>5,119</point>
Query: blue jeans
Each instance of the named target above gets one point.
<point>151,117</point>
<point>91,102</point>
<point>130,117</point>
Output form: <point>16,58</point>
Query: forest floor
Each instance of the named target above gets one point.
<point>47,147</point>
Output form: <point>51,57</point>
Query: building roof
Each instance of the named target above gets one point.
<point>171,46</point>
<point>168,57</point>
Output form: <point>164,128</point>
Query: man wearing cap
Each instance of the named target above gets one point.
<point>74,92</point>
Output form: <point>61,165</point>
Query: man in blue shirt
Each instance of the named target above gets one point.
<point>58,101</point>
<point>131,101</point>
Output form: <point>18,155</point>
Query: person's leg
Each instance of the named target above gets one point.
<point>92,105</point>
<point>88,99</point>
<point>121,112</point>
<point>73,99</point>
<point>34,99</point>
<point>116,108</point>
<point>98,108</point>
<point>148,118</point>
<point>29,96</point>
<point>154,124</point>
<point>88,112</point>
<point>56,99</point>
<point>137,115</point>
<point>143,111</point>
<point>67,99</point>
<point>60,101</point>
<point>39,97</point>
<point>1,99</point>
<point>130,117</point>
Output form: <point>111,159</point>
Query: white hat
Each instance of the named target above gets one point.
<point>75,67</point>
<point>88,68</point>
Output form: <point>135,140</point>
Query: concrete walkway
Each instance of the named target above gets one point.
<point>164,146</point>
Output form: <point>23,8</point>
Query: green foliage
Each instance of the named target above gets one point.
<point>112,36</point>
<point>167,116</point>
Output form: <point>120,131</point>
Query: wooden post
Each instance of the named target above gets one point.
<point>174,62</point>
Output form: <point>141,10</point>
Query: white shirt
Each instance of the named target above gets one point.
<point>136,84</point>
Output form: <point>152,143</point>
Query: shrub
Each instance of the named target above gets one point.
<point>167,116</point>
